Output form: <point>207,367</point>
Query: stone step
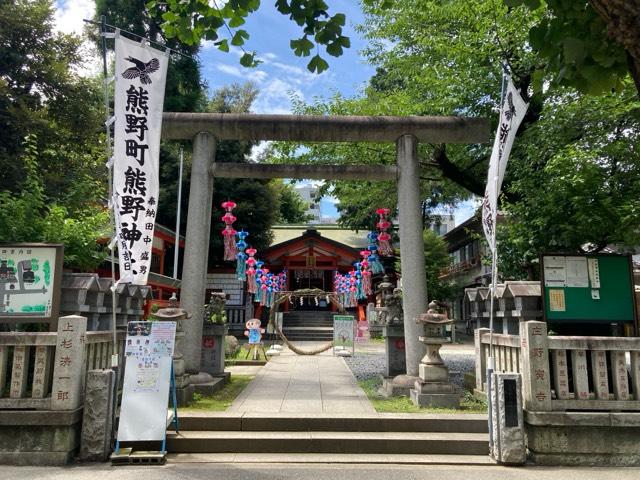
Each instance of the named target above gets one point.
<point>335,458</point>
<point>447,443</point>
<point>379,422</point>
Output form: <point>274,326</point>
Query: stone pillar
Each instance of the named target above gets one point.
<point>69,363</point>
<point>95,443</point>
<point>394,349</point>
<point>536,385</point>
<point>507,418</point>
<point>194,269</point>
<point>414,280</point>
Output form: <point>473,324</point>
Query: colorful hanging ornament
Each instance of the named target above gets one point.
<point>366,273</point>
<point>229,233</point>
<point>251,271</point>
<point>241,257</point>
<point>374,260</point>
<point>384,239</point>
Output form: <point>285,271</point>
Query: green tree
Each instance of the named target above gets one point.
<point>436,259</point>
<point>575,157</point>
<point>41,96</point>
<point>576,182</point>
<point>590,45</point>
<point>29,217</point>
<point>192,22</point>
<point>293,209</point>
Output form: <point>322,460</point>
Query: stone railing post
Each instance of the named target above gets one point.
<point>481,360</point>
<point>69,364</point>
<point>535,366</point>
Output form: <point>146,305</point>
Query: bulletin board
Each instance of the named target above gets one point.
<point>588,288</point>
<point>145,397</point>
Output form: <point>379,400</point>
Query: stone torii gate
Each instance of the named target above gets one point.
<point>204,129</point>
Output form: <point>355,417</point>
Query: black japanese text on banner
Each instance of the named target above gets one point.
<point>139,97</point>
<point>511,114</point>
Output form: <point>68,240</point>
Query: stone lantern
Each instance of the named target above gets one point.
<point>173,313</point>
<point>433,388</point>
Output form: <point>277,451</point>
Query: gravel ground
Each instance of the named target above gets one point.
<point>369,365</point>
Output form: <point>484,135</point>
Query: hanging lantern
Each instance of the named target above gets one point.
<point>229,233</point>
<point>241,257</point>
<point>384,239</point>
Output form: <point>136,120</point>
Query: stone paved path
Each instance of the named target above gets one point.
<point>292,383</point>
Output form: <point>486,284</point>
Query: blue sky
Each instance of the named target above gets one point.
<point>281,75</point>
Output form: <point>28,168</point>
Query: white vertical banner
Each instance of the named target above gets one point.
<point>140,78</point>
<point>512,112</point>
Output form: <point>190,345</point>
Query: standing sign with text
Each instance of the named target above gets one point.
<point>139,97</point>
<point>149,351</point>
<point>343,333</point>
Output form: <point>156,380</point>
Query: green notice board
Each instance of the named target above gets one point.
<point>588,288</point>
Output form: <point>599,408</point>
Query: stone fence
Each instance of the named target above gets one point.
<point>40,370</point>
<point>562,373</point>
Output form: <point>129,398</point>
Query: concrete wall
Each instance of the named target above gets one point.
<point>39,437</point>
<point>583,438</point>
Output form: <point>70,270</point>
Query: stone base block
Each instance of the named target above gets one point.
<point>211,387</point>
<point>437,400</point>
<point>421,386</point>
<point>185,395</point>
<point>397,386</point>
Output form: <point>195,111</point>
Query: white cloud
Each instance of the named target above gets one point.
<point>70,13</point>
<point>257,76</point>
<point>275,97</point>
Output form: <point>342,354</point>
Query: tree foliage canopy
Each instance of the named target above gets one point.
<point>192,22</point>
<point>572,176</point>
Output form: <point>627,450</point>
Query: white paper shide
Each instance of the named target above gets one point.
<point>140,74</point>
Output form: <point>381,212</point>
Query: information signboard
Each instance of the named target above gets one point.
<point>343,335</point>
<point>145,397</point>
<point>588,288</point>
<point>30,275</point>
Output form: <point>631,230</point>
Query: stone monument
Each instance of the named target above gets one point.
<point>433,388</point>
<point>213,332</point>
<point>184,384</point>
<point>395,381</point>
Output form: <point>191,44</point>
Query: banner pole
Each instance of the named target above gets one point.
<point>109,153</point>
<point>494,278</point>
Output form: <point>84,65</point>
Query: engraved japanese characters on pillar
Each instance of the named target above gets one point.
<point>580,379</point>
<point>68,365</point>
<point>535,366</point>
<point>561,379</point>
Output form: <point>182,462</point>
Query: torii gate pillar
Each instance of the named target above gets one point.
<point>196,252</point>
<point>414,280</point>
